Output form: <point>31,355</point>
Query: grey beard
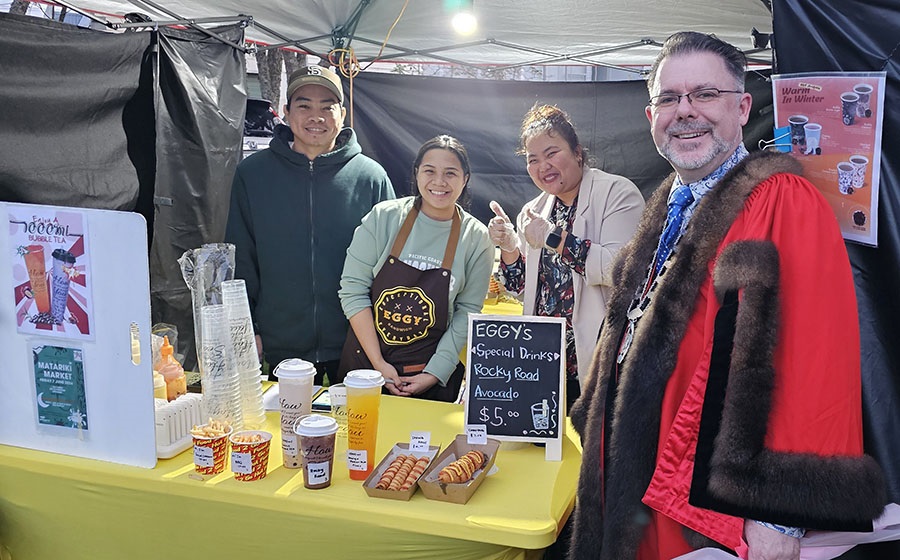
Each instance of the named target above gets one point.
<point>679,160</point>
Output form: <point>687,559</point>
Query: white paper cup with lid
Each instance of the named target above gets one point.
<point>295,385</point>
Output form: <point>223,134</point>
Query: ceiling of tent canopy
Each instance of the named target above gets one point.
<point>509,32</point>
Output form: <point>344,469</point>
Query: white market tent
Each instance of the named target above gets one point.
<point>168,152</point>
<point>510,32</point>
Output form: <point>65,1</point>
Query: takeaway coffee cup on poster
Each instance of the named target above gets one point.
<point>316,432</point>
<point>849,103</point>
<point>363,403</point>
<point>813,134</point>
<point>859,163</point>
<point>37,277</point>
<point>798,135</point>
<point>845,177</point>
<point>864,91</point>
<point>295,387</point>
<point>63,267</point>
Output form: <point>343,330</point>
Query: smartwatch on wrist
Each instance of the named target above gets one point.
<point>554,238</point>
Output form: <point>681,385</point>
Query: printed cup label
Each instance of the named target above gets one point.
<point>357,460</point>
<point>203,456</point>
<point>289,444</point>
<point>317,473</point>
<point>241,463</point>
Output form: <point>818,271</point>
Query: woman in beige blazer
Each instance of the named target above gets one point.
<point>567,237</point>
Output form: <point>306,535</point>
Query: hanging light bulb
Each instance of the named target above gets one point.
<point>463,16</point>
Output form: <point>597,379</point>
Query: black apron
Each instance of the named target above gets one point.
<point>411,310</point>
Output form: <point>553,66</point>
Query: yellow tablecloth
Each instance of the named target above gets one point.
<point>502,308</point>
<point>60,507</point>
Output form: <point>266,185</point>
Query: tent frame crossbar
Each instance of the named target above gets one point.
<point>430,53</point>
<point>549,56</point>
<point>243,19</point>
<point>581,57</point>
<point>190,23</point>
<point>287,41</point>
<point>194,23</point>
<point>90,16</point>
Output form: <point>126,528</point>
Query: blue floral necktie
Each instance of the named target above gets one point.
<point>681,199</point>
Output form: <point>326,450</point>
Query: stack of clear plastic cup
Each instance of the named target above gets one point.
<point>246,358</point>
<point>204,269</point>
<point>218,376</point>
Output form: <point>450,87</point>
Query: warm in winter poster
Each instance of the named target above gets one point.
<point>51,270</point>
<point>833,127</point>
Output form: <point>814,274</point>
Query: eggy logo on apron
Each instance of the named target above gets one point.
<point>403,315</point>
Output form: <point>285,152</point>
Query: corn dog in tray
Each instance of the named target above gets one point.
<point>458,472</point>
<point>396,475</point>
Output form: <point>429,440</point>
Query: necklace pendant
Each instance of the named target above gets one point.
<point>627,339</point>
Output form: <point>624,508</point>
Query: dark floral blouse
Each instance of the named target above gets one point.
<point>555,294</point>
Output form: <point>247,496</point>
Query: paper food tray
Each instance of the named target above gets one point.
<point>458,493</point>
<point>375,476</point>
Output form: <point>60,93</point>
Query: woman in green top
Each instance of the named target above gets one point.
<point>415,268</point>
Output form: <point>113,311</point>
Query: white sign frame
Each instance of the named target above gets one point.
<point>119,392</point>
<point>553,445</point>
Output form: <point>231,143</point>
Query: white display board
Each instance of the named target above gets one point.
<point>75,333</point>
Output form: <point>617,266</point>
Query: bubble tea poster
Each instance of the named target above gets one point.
<point>51,272</point>
<point>831,123</point>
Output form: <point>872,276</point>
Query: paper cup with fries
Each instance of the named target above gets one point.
<point>211,446</point>
<point>250,454</point>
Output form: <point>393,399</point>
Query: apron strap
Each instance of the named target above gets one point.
<point>452,242</point>
<point>403,234</point>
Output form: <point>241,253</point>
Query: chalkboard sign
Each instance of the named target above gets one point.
<point>515,369</point>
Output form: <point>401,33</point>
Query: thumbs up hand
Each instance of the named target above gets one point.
<point>501,230</point>
<point>536,229</point>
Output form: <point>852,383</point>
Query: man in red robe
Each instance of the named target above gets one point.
<point>723,407</point>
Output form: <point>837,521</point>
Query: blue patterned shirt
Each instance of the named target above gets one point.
<point>704,185</point>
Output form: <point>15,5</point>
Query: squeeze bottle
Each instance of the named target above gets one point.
<point>171,370</point>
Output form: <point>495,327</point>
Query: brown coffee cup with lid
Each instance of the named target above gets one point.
<point>316,434</point>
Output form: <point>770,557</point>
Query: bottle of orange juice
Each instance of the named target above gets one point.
<point>363,402</point>
<point>171,370</point>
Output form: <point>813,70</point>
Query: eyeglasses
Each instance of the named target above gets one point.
<point>668,101</point>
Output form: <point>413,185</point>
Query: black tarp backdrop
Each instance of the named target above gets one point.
<point>78,128</point>
<point>855,36</point>
<point>394,115</point>
<point>74,115</point>
<point>199,127</point>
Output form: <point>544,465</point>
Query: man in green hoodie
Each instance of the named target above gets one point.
<point>294,208</point>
